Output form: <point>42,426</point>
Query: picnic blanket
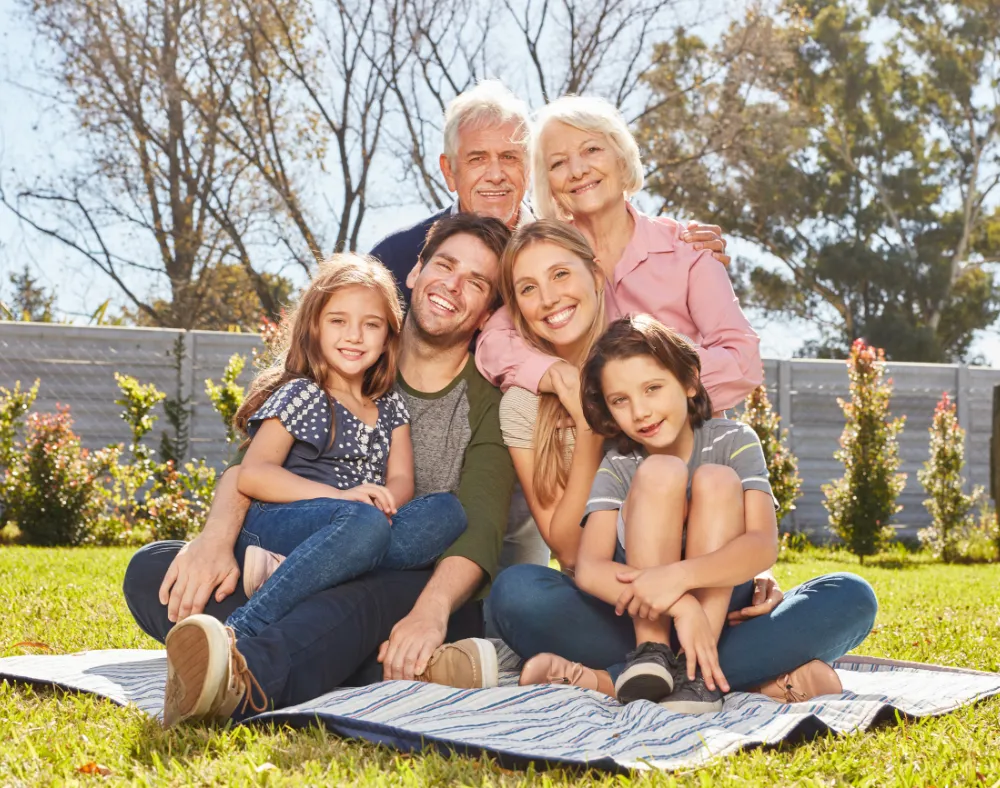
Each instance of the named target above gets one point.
<point>550,724</point>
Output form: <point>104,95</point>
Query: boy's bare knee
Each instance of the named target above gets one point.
<point>661,474</point>
<point>716,480</point>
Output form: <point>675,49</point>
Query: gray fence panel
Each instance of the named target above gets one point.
<point>76,366</point>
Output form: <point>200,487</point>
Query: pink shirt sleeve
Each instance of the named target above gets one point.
<point>730,349</point>
<point>505,359</point>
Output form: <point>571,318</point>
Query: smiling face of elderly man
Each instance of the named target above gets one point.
<point>484,160</point>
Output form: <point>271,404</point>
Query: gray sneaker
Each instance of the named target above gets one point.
<point>649,674</point>
<point>693,697</point>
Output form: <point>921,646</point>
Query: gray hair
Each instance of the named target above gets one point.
<point>591,114</point>
<point>490,103</point>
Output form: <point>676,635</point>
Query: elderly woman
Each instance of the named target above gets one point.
<point>586,167</point>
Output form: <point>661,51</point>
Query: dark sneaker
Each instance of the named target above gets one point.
<point>693,697</point>
<point>649,674</point>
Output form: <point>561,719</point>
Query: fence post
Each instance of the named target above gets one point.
<point>963,397</point>
<point>995,447</point>
<point>785,393</point>
<point>187,384</point>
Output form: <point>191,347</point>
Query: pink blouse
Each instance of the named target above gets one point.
<point>665,277</point>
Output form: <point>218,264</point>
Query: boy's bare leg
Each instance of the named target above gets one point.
<point>654,521</point>
<point>715,518</point>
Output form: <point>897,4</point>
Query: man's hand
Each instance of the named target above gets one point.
<point>707,236</point>
<point>766,597</point>
<point>698,643</point>
<point>201,567</point>
<point>412,641</point>
<point>650,592</point>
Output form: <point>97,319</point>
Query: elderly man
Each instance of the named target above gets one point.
<point>484,164</point>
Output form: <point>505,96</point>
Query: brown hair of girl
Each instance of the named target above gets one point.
<point>551,471</point>
<point>299,354</point>
<point>641,335</point>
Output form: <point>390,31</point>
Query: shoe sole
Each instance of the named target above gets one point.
<point>692,706</point>
<point>194,652</point>
<point>488,660</point>
<point>647,681</point>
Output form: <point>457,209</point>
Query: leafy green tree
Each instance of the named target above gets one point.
<point>782,466</point>
<point>863,500</point>
<point>951,508</point>
<point>866,166</point>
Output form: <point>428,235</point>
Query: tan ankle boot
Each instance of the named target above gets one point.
<point>804,683</point>
<point>553,669</point>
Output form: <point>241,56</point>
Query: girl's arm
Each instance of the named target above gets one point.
<point>262,475</point>
<point>559,522</point>
<point>399,469</point>
<point>729,349</point>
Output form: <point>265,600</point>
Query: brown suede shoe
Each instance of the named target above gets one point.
<point>466,664</point>
<point>804,683</point>
<point>553,669</point>
<point>207,677</point>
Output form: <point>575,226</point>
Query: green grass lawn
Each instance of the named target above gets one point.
<point>71,600</point>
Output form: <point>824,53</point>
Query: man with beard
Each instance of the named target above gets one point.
<point>398,619</point>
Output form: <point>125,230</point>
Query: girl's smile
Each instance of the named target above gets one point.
<point>353,330</point>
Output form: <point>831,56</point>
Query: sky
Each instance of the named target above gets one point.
<point>35,138</point>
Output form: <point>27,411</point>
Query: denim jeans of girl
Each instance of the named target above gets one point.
<point>329,541</point>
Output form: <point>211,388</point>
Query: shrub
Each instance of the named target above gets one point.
<point>13,406</point>
<point>951,509</point>
<point>52,487</point>
<point>227,396</point>
<point>862,501</point>
<point>179,500</point>
<point>782,467</point>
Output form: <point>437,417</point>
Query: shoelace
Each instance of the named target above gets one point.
<point>791,694</point>
<point>241,673</point>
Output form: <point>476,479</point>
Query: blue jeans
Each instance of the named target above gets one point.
<point>536,609</point>
<point>329,541</point>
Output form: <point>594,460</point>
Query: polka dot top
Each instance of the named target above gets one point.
<point>359,453</point>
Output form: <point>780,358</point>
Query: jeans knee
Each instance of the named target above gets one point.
<point>857,597</point>
<point>373,530</point>
<point>146,569</point>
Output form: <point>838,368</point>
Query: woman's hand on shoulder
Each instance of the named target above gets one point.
<point>707,236</point>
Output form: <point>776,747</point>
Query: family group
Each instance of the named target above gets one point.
<point>392,512</point>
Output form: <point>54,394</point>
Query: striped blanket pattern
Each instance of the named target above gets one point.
<point>549,724</point>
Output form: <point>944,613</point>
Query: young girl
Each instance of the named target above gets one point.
<point>679,514</point>
<point>330,463</point>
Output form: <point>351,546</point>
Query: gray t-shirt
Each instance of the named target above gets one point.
<point>716,442</point>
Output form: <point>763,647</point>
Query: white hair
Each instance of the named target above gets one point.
<point>490,103</point>
<point>591,114</point>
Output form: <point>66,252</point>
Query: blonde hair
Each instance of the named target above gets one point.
<point>551,472</point>
<point>490,103</point>
<point>590,114</point>
<point>299,355</point>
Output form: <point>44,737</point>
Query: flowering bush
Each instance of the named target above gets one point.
<point>861,502</point>
<point>782,466</point>
<point>953,522</point>
<point>52,488</point>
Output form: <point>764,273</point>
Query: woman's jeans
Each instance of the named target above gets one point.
<point>536,609</point>
<point>328,541</point>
